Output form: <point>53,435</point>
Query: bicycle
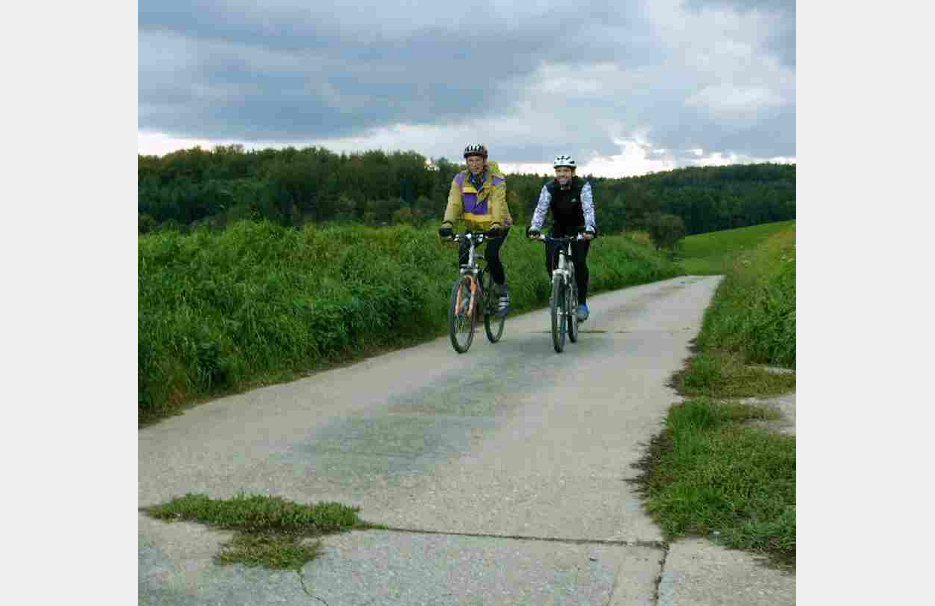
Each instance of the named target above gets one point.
<point>472,297</point>
<point>563,303</point>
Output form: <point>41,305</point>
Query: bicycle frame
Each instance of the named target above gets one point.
<point>481,305</point>
<point>564,266</point>
<point>471,268</point>
<point>563,301</point>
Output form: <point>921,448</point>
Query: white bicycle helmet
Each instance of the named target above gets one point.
<point>564,160</point>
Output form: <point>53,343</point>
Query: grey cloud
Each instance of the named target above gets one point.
<point>780,41</point>
<point>424,78</point>
<point>779,6</point>
<point>772,135</point>
<point>293,72</point>
<point>418,77</point>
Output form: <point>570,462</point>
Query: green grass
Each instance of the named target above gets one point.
<point>257,514</point>
<point>707,474</point>
<point>270,531</point>
<point>284,552</point>
<point>716,252</point>
<point>721,374</point>
<point>258,303</point>
<point>753,313</point>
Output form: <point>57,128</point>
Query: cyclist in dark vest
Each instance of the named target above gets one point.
<point>569,198</point>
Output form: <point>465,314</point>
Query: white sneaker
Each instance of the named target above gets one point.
<point>504,301</point>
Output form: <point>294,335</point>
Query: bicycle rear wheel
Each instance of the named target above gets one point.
<point>493,320</point>
<point>460,322</point>
<point>558,304</point>
<point>572,298</point>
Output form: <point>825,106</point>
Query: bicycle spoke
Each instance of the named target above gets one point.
<point>558,313</point>
<point>460,322</point>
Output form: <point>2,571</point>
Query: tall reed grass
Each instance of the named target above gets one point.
<point>753,313</point>
<point>224,311</point>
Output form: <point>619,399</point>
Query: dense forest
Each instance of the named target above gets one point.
<point>291,186</point>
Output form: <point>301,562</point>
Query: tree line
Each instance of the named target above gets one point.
<point>292,186</point>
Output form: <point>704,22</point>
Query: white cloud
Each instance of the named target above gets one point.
<point>160,144</point>
<point>638,157</point>
<point>634,159</point>
<point>719,159</point>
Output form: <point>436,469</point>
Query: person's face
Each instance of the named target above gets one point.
<point>475,164</point>
<point>563,174</point>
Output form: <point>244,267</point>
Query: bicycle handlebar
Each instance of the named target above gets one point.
<point>545,238</point>
<point>477,236</point>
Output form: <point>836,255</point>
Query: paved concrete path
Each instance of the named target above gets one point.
<point>501,471</point>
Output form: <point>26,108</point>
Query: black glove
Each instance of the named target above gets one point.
<point>533,233</point>
<point>495,231</point>
<point>445,231</point>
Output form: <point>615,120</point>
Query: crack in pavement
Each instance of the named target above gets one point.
<point>618,576</point>
<point>654,544</point>
<point>662,569</point>
<point>305,589</point>
<point>664,547</point>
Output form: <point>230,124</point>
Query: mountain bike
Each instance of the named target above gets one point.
<point>563,303</point>
<point>473,297</point>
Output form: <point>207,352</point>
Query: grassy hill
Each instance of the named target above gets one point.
<point>714,252</point>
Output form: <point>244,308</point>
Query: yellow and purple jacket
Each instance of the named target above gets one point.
<point>479,208</point>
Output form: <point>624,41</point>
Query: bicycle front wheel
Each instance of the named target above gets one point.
<point>558,304</point>
<point>460,320</point>
<point>493,320</point>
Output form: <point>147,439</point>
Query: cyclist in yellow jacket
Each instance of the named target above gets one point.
<point>478,197</point>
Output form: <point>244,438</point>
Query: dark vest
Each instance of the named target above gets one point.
<point>566,202</point>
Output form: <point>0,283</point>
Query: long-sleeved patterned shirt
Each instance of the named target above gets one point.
<point>571,207</point>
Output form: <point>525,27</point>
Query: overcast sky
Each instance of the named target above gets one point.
<point>625,86</point>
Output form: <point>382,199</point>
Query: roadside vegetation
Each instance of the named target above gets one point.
<point>710,472</point>
<point>258,303</point>
<point>270,531</point>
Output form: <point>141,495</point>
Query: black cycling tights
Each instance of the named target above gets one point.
<point>492,254</point>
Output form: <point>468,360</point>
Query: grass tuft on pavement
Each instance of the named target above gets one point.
<point>275,551</point>
<point>271,531</point>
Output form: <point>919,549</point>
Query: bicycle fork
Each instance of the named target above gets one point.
<point>473,296</point>
<point>567,273</point>
<point>562,269</point>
